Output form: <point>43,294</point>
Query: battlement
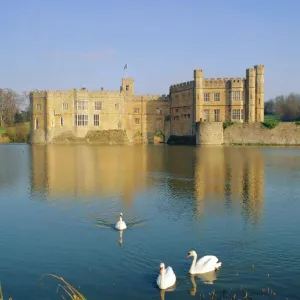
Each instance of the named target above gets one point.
<point>105,93</point>
<point>182,86</point>
<point>260,69</point>
<point>149,97</point>
<point>250,72</point>
<point>38,93</point>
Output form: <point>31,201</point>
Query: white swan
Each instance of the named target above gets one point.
<point>121,225</point>
<point>166,277</point>
<point>207,263</point>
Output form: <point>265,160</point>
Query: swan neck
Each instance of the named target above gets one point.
<point>194,260</point>
<point>193,263</point>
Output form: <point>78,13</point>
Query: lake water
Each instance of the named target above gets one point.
<point>58,206</point>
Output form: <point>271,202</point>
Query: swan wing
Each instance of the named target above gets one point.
<point>121,225</point>
<point>170,277</point>
<point>206,263</point>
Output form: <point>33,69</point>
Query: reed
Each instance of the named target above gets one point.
<point>68,288</point>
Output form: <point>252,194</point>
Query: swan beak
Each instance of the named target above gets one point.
<point>188,256</point>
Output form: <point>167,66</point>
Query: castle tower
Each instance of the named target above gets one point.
<point>127,88</point>
<point>38,101</point>
<point>259,91</point>
<point>198,95</point>
<point>250,96</point>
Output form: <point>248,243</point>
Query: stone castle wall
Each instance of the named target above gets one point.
<point>56,113</point>
<point>285,133</point>
<point>247,134</point>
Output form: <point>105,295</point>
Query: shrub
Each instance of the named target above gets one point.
<point>138,133</point>
<point>227,124</point>
<point>270,124</point>
<point>159,134</point>
<point>297,123</point>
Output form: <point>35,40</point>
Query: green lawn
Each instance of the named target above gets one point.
<point>16,133</point>
<point>272,118</point>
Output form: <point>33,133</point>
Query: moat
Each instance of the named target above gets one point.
<point>59,204</point>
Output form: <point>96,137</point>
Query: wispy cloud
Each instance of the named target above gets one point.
<point>102,54</point>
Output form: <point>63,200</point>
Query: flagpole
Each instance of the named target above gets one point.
<point>126,70</point>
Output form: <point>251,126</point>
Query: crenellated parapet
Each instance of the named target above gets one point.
<point>38,93</point>
<point>181,86</point>
<point>237,82</point>
<point>149,97</point>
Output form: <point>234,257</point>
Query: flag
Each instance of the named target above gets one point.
<point>125,67</point>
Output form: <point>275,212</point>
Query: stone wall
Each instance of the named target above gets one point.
<point>256,133</point>
<point>209,133</point>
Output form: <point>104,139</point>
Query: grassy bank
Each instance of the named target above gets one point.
<point>17,133</point>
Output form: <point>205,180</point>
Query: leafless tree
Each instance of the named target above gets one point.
<point>10,103</point>
<point>287,107</point>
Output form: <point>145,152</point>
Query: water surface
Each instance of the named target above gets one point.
<point>58,206</point>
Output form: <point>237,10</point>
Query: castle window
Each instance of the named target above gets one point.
<point>206,115</point>
<point>65,106</point>
<point>36,123</point>
<point>158,124</point>
<point>81,105</point>
<point>127,87</point>
<point>137,121</point>
<point>235,95</point>
<point>136,110</point>
<point>98,105</point>
<point>206,97</point>
<point>117,106</point>
<point>217,96</point>
<point>38,107</point>
<point>189,116</point>
<point>96,120</point>
<point>61,121</point>
<point>236,114</point>
<point>81,120</point>
<point>217,115</point>
<point>158,111</point>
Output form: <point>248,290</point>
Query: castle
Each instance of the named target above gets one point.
<point>77,112</point>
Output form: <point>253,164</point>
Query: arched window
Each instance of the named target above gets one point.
<point>61,121</point>
<point>36,123</point>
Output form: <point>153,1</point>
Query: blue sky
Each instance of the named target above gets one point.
<point>64,44</point>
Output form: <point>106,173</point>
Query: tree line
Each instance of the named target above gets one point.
<point>287,108</point>
<point>14,107</point>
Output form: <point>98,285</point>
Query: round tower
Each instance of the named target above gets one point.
<point>260,95</point>
<point>250,99</point>
<point>198,95</point>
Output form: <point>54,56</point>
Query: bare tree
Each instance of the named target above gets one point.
<point>10,103</point>
<point>287,107</point>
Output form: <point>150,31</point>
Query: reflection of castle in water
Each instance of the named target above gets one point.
<point>82,170</point>
<point>231,173</point>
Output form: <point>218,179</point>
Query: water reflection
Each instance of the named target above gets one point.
<point>233,175</point>
<point>121,238</point>
<point>163,292</point>
<point>86,171</point>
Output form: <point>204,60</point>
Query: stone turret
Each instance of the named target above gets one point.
<point>259,91</point>
<point>198,94</point>
<point>127,88</point>
<point>250,95</point>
